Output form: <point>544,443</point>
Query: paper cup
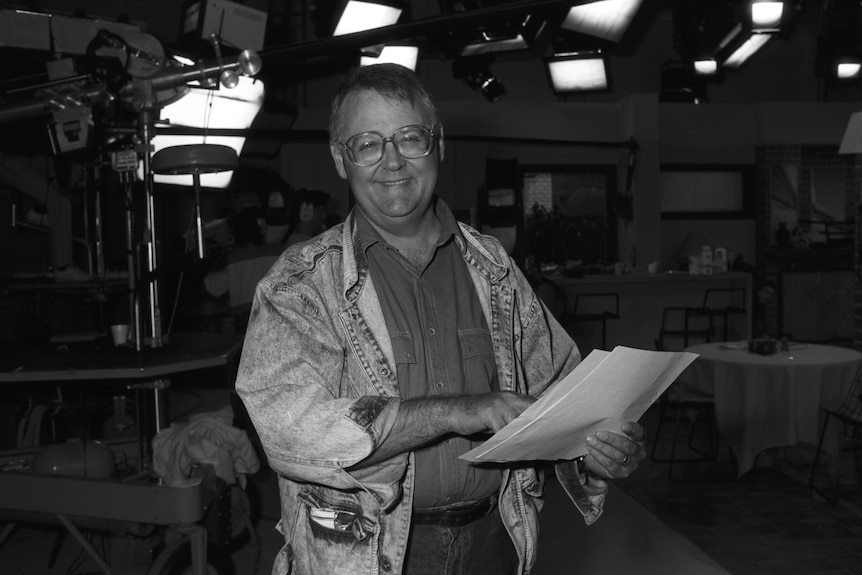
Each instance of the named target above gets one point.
<point>120,333</point>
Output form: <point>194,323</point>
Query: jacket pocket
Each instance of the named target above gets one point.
<point>334,532</point>
<point>335,515</point>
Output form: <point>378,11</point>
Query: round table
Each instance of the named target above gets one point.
<point>767,401</point>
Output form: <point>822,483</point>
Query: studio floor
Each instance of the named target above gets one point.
<point>766,522</point>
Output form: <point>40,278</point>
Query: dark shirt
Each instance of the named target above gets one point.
<point>442,348</point>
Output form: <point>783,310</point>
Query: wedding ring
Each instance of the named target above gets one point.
<point>626,458</point>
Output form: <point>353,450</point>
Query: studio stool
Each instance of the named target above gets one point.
<point>195,159</point>
<point>597,307</point>
<point>683,323</point>
<point>723,303</point>
<point>683,401</point>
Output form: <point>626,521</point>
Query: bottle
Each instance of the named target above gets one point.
<point>782,236</point>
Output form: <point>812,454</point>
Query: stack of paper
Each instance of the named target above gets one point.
<point>606,389</point>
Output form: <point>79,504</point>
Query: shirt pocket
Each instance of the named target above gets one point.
<point>405,354</point>
<point>477,355</point>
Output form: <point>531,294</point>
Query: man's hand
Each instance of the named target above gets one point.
<point>611,455</point>
<point>487,412</point>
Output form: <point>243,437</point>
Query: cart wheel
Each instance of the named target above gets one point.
<point>176,559</point>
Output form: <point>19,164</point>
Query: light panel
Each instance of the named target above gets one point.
<point>200,108</point>
<point>766,15</point>
<point>577,72</point>
<point>359,16</point>
<point>851,143</point>
<point>706,66</point>
<point>847,70</point>
<point>605,19</point>
<point>748,48</point>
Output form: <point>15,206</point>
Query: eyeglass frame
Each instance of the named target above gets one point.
<point>431,131</point>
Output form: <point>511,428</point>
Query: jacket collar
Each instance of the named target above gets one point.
<point>484,255</point>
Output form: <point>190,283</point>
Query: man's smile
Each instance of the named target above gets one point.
<point>394,182</point>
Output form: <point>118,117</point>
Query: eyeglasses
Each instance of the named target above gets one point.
<point>411,142</point>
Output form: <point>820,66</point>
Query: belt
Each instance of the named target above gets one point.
<point>456,515</point>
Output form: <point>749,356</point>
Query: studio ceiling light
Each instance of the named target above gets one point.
<point>681,84</point>
<point>706,66</point>
<point>476,73</point>
<point>407,56</point>
<point>848,70</point>
<point>605,19</point>
<point>766,15</point>
<point>577,72</point>
<point>503,37</point>
<point>359,16</point>
<point>746,50</point>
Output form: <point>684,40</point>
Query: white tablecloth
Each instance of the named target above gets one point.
<point>762,402</point>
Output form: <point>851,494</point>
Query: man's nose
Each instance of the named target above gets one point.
<point>391,157</point>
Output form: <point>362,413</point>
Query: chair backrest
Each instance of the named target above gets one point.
<point>597,303</point>
<point>554,297</point>
<point>724,298</point>
<point>851,406</point>
<point>681,324</point>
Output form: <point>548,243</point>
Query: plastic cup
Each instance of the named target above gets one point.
<point>120,333</point>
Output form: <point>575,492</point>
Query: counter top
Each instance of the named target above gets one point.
<point>667,277</point>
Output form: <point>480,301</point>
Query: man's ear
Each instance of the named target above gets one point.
<point>440,146</point>
<point>338,158</point>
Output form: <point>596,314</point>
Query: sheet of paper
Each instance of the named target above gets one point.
<point>606,389</point>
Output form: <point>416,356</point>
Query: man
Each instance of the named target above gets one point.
<point>389,345</point>
<point>244,263</point>
<point>308,215</point>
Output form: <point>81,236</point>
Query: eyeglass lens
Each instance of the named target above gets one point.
<point>410,141</point>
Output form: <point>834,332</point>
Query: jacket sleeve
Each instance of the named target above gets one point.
<point>547,353</point>
<point>545,350</point>
<point>312,418</point>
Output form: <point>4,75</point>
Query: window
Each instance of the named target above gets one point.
<point>568,213</point>
<point>697,192</point>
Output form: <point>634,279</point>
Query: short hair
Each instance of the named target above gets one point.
<point>245,226</point>
<point>390,81</point>
<point>317,198</point>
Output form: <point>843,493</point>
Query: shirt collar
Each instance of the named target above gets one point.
<point>368,234</point>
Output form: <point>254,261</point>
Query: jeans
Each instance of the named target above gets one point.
<point>482,546</point>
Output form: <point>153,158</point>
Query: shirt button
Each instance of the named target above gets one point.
<point>439,385</point>
<point>431,331</point>
<point>408,355</point>
<point>385,564</point>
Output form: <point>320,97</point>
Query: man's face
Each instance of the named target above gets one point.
<point>396,192</point>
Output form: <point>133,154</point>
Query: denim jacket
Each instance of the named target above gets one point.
<point>318,378</point>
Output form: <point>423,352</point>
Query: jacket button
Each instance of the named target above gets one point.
<point>385,564</point>
<point>384,371</point>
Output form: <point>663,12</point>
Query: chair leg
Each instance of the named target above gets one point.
<point>604,334</point>
<point>811,483</point>
<point>661,414</point>
<point>712,437</point>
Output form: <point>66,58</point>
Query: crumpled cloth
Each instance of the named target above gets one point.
<point>208,438</point>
